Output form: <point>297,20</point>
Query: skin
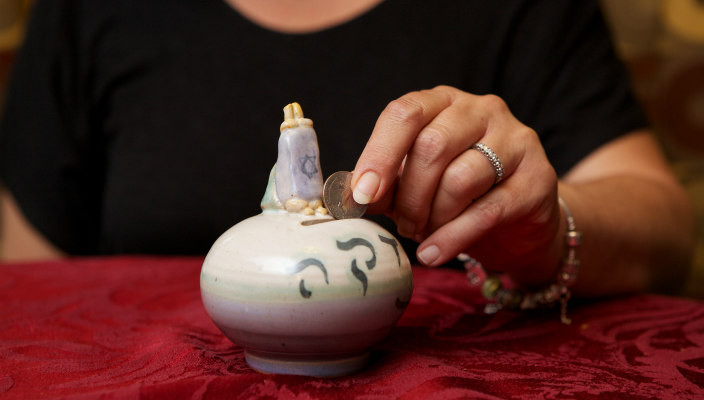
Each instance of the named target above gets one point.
<point>417,168</point>
<point>301,16</point>
<point>636,219</point>
<point>19,240</point>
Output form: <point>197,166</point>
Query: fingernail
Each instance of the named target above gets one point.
<point>428,255</point>
<point>366,188</point>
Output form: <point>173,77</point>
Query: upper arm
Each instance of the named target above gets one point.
<point>19,240</point>
<point>51,159</point>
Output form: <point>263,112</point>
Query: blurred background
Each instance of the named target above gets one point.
<point>662,44</point>
<point>13,14</point>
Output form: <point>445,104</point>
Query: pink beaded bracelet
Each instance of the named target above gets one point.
<point>558,292</point>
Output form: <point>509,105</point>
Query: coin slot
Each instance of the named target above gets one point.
<point>316,221</point>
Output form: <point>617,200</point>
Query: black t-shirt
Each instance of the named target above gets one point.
<point>150,126</point>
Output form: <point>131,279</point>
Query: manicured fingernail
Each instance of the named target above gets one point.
<point>429,254</point>
<point>366,188</point>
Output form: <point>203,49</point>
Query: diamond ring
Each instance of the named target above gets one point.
<point>493,159</point>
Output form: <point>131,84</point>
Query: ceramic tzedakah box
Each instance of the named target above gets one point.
<point>304,293</point>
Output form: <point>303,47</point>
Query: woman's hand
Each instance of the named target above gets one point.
<point>418,167</point>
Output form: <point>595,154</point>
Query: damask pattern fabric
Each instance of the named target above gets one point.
<point>136,328</point>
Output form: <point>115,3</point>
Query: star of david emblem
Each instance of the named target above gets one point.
<point>308,166</point>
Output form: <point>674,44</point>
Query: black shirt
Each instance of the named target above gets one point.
<point>150,126</point>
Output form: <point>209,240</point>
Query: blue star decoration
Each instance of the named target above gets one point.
<point>308,166</point>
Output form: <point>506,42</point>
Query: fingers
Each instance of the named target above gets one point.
<point>465,180</point>
<point>453,131</point>
<point>472,174</point>
<point>507,228</point>
<point>392,138</point>
<point>418,167</point>
<point>455,237</point>
<point>441,176</point>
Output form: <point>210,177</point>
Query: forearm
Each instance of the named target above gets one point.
<point>637,234</point>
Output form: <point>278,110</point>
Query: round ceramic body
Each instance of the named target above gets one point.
<point>306,295</point>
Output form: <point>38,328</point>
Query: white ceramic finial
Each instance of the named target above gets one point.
<point>299,180</point>
<point>293,117</point>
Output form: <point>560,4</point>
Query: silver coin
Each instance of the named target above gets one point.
<point>337,196</point>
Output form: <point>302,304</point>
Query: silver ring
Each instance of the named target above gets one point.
<point>493,159</point>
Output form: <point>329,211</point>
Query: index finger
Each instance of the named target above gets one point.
<point>392,137</point>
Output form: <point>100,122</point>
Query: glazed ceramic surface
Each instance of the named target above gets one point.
<point>301,292</point>
<point>287,291</point>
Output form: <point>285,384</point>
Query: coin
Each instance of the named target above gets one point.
<point>337,195</point>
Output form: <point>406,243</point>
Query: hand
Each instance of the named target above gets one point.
<point>419,169</point>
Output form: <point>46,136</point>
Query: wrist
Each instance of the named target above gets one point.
<point>558,291</point>
<point>542,266</point>
<point>572,239</point>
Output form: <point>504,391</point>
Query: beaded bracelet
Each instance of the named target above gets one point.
<point>559,292</point>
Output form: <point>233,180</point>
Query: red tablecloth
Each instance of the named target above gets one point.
<point>135,328</point>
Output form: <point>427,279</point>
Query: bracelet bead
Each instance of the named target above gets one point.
<point>559,292</point>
